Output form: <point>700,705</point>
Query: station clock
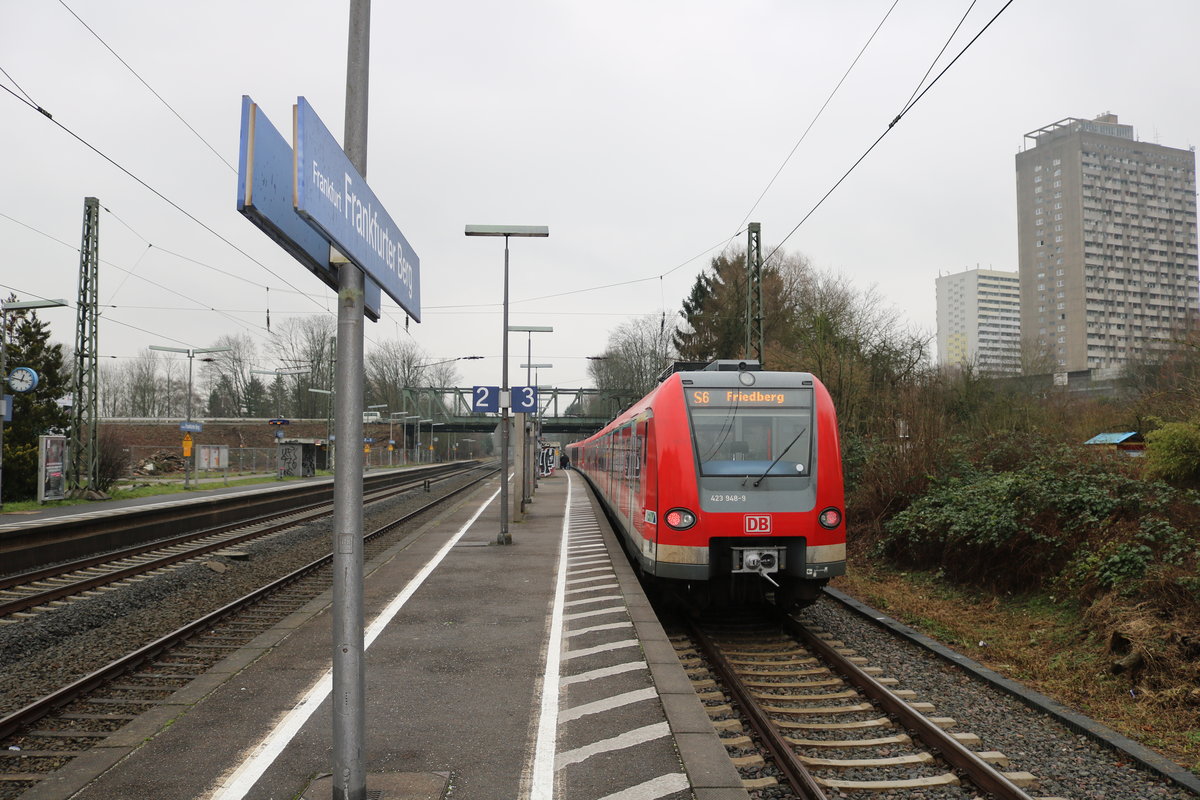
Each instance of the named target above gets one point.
<point>22,379</point>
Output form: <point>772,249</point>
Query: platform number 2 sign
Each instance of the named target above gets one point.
<point>485,399</point>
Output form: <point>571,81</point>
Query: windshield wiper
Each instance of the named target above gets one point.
<point>776,461</point>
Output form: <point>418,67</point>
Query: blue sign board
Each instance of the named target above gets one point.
<point>485,398</point>
<point>191,427</point>
<point>6,401</point>
<point>524,399</point>
<point>265,182</point>
<point>332,196</point>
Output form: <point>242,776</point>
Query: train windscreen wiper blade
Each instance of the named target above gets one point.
<point>776,461</point>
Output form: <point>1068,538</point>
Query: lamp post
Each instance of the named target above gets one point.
<point>391,438</point>
<point>530,454</point>
<point>279,405</point>
<point>328,424</point>
<point>506,231</point>
<point>277,373</point>
<point>529,330</point>
<point>369,408</point>
<point>16,305</point>
<point>419,422</point>
<point>191,353</point>
<point>432,450</point>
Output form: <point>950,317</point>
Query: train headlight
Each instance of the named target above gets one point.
<point>680,519</point>
<point>830,518</point>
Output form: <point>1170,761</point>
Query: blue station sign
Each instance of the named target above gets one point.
<point>266,169</point>
<point>332,196</point>
<point>191,427</point>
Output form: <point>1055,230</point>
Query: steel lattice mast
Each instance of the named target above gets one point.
<point>754,301</point>
<point>83,471</point>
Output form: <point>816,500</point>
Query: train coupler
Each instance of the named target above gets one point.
<point>760,560</point>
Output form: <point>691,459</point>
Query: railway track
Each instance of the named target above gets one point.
<point>74,719</point>
<point>801,713</point>
<point>36,591</point>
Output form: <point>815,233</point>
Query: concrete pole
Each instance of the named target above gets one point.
<point>349,665</point>
<point>504,537</point>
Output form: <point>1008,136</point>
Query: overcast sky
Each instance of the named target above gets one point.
<point>642,133</point>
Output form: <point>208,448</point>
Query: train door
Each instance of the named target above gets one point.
<point>633,471</point>
<point>644,517</point>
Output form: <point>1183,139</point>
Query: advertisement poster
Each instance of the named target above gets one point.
<point>52,465</point>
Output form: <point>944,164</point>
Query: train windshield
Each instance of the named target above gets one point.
<point>740,432</point>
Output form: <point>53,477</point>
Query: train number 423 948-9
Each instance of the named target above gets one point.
<point>727,498</point>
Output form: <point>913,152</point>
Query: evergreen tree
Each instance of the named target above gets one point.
<point>27,344</point>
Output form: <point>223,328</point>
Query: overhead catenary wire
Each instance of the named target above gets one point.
<point>153,190</point>
<point>908,107</point>
<point>135,74</point>
<point>817,116</point>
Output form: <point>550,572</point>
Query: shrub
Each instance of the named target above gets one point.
<point>1093,522</point>
<point>1173,452</point>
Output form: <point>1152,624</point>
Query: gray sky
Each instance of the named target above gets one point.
<point>641,133</point>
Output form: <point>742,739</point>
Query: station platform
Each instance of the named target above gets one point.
<point>530,670</point>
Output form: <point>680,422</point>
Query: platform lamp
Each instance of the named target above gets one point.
<point>16,305</point>
<point>372,408</point>
<point>191,353</point>
<point>277,373</point>
<point>527,485</point>
<point>279,406</point>
<point>328,425</point>
<point>537,231</point>
<point>432,449</point>
<point>530,454</point>
<point>420,422</point>
<point>391,436</point>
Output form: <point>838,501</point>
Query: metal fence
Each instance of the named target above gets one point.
<point>169,461</point>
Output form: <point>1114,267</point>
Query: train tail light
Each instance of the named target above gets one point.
<point>680,519</point>
<point>830,518</point>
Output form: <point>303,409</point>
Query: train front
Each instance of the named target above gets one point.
<point>769,515</point>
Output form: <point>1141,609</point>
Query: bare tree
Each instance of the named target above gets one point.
<point>143,384</point>
<point>227,374</point>
<point>114,400</point>
<point>636,355</point>
<point>306,343</point>
<point>391,368</point>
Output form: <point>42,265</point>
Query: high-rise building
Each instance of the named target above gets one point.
<point>979,320</point>
<point>1106,229</point>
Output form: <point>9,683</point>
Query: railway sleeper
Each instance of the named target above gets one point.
<point>927,782</point>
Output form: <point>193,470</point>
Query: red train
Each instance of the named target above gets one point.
<point>725,483</point>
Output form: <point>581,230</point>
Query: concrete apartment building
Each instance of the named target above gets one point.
<point>1106,229</point>
<point>979,320</point>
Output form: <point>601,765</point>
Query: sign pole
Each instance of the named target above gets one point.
<point>349,666</point>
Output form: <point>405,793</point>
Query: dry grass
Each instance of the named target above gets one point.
<point>1045,645</point>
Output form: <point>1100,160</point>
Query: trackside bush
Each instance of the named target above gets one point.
<point>1173,453</point>
<point>1090,522</point>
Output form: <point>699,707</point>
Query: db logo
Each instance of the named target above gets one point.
<point>758,523</point>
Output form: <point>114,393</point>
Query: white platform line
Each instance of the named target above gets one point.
<point>589,560</point>
<point>598,612</point>
<point>597,628</point>
<point>585,600</point>
<point>541,783</point>
<point>608,704</point>
<point>607,577</point>
<point>575,572</point>
<point>652,789</point>
<point>628,739</point>
<point>600,648</point>
<point>594,588</point>
<point>243,777</point>
<point>604,672</point>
